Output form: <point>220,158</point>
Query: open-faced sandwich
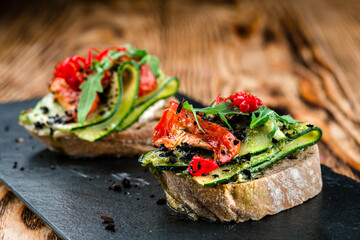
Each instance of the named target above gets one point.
<point>105,104</point>
<point>235,160</point>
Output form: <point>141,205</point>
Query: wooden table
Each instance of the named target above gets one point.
<point>300,57</point>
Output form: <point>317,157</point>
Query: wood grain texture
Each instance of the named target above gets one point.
<point>300,57</point>
<point>19,222</point>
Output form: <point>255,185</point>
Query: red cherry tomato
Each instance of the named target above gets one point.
<point>147,80</point>
<point>199,166</point>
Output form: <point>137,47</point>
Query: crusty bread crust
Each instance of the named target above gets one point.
<point>131,142</point>
<point>135,140</point>
<point>284,185</point>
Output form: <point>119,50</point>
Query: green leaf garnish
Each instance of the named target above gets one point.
<point>93,83</point>
<point>264,114</point>
<point>258,118</point>
<point>154,63</point>
<point>223,109</point>
<point>133,52</point>
<point>88,94</point>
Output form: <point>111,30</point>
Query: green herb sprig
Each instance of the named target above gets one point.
<point>93,83</point>
<point>258,117</point>
<point>264,114</point>
<point>223,109</point>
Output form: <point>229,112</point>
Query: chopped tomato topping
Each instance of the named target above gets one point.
<point>147,80</point>
<point>246,102</point>
<point>72,70</point>
<point>174,129</point>
<point>199,166</point>
<point>68,98</point>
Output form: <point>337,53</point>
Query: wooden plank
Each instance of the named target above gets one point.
<point>301,57</point>
<point>19,222</point>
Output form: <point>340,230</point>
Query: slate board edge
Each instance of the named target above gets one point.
<point>178,95</point>
<point>47,222</point>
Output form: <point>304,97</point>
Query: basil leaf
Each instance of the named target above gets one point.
<point>88,94</point>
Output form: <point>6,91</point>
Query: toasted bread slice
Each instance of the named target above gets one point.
<point>133,141</point>
<point>284,185</point>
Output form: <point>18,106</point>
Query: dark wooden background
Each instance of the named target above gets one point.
<point>299,57</point>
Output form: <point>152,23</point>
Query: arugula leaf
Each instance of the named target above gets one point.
<point>133,52</point>
<point>154,63</point>
<point>223,109</point>
<point>264,114</point>
<point>190,107</point>
<point>106,62</point>
<point>93,84</point>
<point>289,120</point>
<point>275,128</point>
<point>88,94</point>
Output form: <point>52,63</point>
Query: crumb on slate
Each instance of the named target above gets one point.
<point>115,187</point>
<point>110,227</point>
<point>19,140</point>
<point>126,183</point>
<point>161,201</point>
<point>106,219</point>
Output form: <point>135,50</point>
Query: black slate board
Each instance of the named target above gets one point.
<point>70,197</point>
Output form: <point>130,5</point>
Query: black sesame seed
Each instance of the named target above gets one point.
<point>236,142</point>
<point>247,173</point>
<point>178,110</point>
<point>247,156</point>
<point>38,125</point>
<point>44,110</point>
<point>215,176</point>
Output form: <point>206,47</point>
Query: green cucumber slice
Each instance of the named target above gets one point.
<point>129,91</point>
<point>165,90</point>
<point>228,172</point>
<point>105,110</point>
